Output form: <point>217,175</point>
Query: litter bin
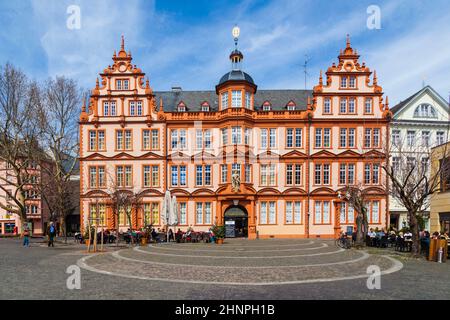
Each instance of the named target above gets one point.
<point>435,246</point>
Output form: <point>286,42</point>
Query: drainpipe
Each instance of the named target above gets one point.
<point>308,154</point>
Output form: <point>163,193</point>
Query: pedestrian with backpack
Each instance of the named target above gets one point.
<point>51,233</point>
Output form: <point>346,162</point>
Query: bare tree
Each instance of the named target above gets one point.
<point>357,198</point>
<point>19,102</point>
<point>411,181</point>
<point>60,101</point>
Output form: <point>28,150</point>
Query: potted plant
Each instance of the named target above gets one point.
<point>219,233</point>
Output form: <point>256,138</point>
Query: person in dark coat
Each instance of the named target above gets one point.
<point>51,234</point>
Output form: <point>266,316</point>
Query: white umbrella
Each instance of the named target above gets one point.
<point>166,208</point>
<point>173,221</point>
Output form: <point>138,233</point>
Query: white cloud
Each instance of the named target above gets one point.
<point>83,53</point>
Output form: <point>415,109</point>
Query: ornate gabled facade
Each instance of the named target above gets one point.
<point>271,163</point>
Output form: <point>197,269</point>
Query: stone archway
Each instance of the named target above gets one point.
<point>236,222</point>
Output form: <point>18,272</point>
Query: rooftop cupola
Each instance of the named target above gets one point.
<point>236,75</point>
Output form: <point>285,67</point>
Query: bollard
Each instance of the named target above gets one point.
<point>440,254</point>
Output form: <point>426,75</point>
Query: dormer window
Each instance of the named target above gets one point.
<point>425,111</point>
<point>181,107</point>
<point>205,107</point>
<point>291,106</point>
<point>266,106</point>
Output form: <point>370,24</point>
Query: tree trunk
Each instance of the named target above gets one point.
<point>414,225</point>
<point>359,230</point>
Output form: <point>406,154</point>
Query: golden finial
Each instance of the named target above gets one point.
<point>83,107</point>
<point>387,103</point>
<point>320,78</point>
<point>147,84</point>
<point>375,79</point>
<point>122,46</point>
<point>348,40</point>
<point>97,84</point>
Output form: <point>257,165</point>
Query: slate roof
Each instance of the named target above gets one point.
<point>399,106</point>
<point>236,75</point>
<point>194,99</point>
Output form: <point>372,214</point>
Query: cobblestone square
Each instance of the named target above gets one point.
<point>239,269</point>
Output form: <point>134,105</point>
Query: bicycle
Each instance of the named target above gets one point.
<point>343,242</point>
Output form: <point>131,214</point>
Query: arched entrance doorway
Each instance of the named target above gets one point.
<point>236,222</point>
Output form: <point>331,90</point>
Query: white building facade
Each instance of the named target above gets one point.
<point>419,123</point>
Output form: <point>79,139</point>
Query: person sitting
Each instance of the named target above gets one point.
<point>408,235</point>
<point>179,236</point>
<point>372,237</point>
<point>170,235</point>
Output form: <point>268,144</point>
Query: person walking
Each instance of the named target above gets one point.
<point>26,237</point>
<point>51,233</point>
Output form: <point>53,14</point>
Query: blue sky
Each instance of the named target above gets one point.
<point>187,43</point>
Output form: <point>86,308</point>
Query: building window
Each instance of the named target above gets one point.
<point>322,174</point>
<point>292,139</point>
<point>97,212</point>
<point>323,138</point>
<point>96,140</point>
<point>97,177</point>
<point>371,174</point>
<point>368,106</point>
<point>183,213</point>
<point>151,176</point>
<point>247,136</point>
<point>371,138</point>
<point>425,111</point>
<point>150,139</point>
<point>293,174</point>
<point>203,214</point>
<point>178,176</point>
<point>411,138</point>
<point>374,214</point>
<point>266,106</point>
<point>236,135</point>
<point>426,139</point>
<point>106,108</point>
<point>203,139</point>
<point>440,138</point>
<point>178,139</point>
<point>293,212</point>
<point>343,106</point>
<point>203,175</point>
<point>322,212</point>
<point>267,174</point>
<point>124,176</point>
<point>224,136</point>
<point>248,100</point>
<point>327,105</point>
<point>273,136</point>
<point>396,137</point>
<point>351,105</point>
<point>224,100</point>
<point>344,82</point>
<point>181,107</point>
<point>224,173</point>
<point>347,214</point>
<point>151,213</point>
<point>135,108</point>
<point>291,106</point>
<point>352,82</point>
<point>123,139</point>
<point>248,173</point>
<point>343,138</point>
<point>268,214</point>
<point>236,99</point>
<point>205,107</point>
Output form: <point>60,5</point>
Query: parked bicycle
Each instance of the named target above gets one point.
<point>343,242</point>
